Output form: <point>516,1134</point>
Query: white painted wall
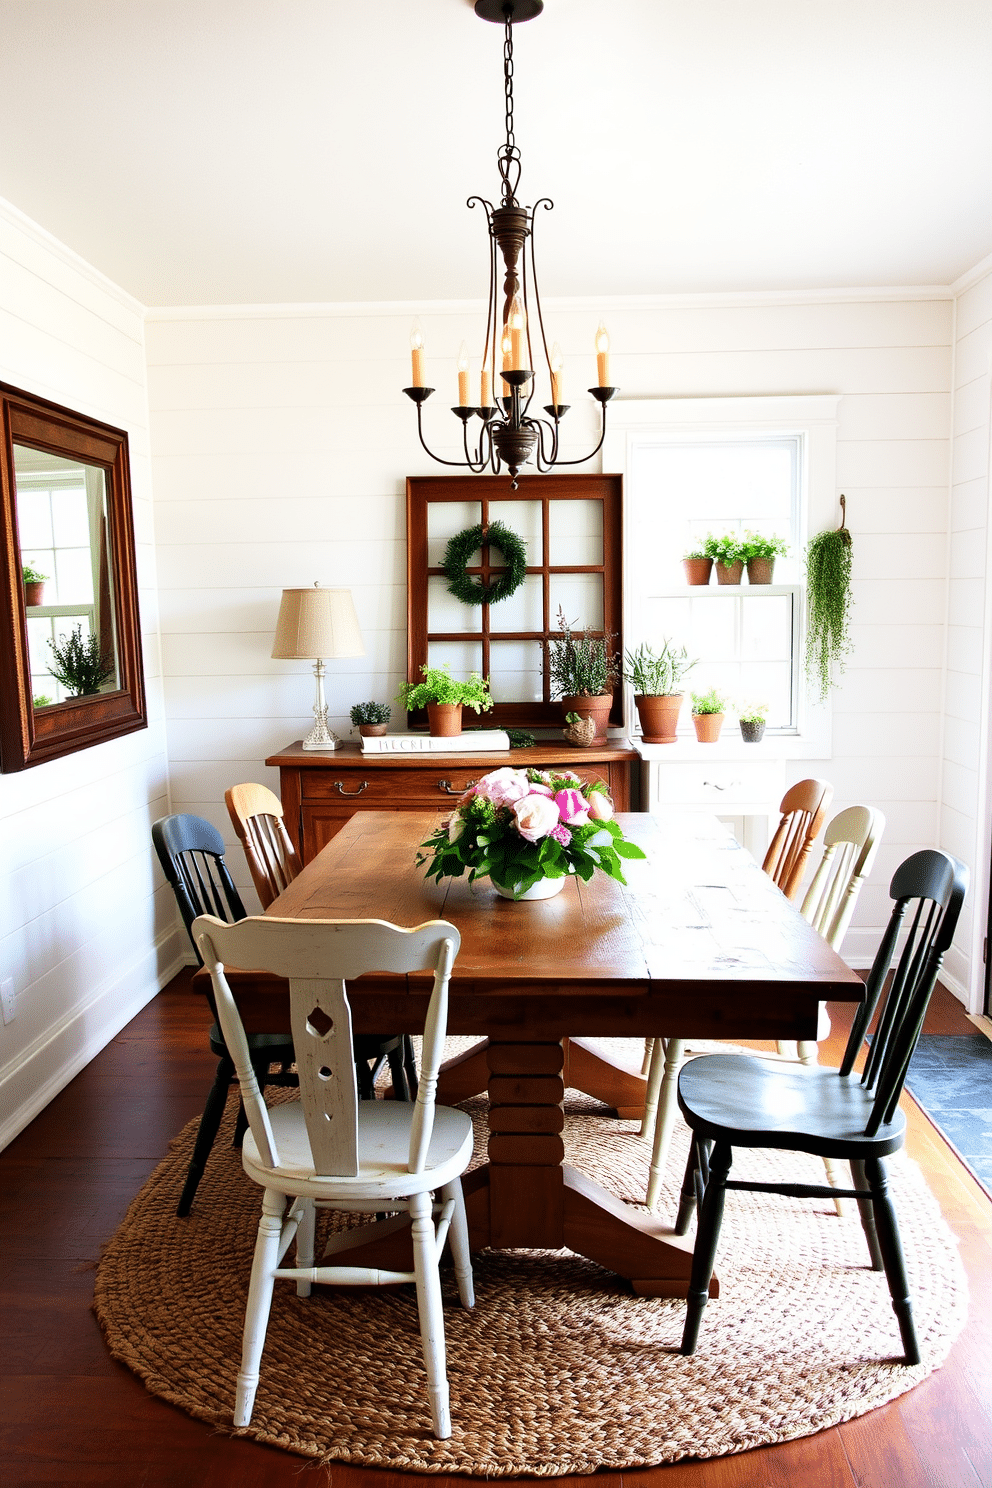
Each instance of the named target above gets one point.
<point>281,441</point>
<point>83,933</point>
<point>966,802</point>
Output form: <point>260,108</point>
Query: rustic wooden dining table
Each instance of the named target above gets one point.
<point>698,944</point>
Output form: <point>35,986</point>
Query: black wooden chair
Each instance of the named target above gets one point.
<point>191,852</point>
<point>733,1101</point>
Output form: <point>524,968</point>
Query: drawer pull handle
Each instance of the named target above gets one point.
<point>342,792</point>
<point>715,784</point>
<point>452,790</point>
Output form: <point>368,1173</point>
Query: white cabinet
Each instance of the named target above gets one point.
<point>741,783</point>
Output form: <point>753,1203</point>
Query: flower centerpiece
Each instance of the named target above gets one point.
<point>529,831</point>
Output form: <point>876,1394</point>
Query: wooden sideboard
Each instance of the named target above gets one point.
<point>321,791</point>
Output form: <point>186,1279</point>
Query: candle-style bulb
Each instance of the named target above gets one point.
<point>557,363</point>
<point>516,324</point>
<point>417,353</point>
<point>602,338</point>
<point>462,363</point>
<point>603,356</point>
<point>557,360</point>
<point>416,336</point>
<point>464,399</point>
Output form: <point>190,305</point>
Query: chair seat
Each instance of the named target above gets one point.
<point>752,1102</point>
<point>383,1153</point>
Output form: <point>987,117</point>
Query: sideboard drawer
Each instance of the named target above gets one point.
<point>385,788</point>
<point>728,785</point>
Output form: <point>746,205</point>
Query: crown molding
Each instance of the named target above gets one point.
<point>46,240</point>
<point>971,276</point>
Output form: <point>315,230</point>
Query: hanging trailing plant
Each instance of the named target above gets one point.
<point>828,608</point>
<point>460,549</point>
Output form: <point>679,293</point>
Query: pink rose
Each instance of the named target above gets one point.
<point>600,806</point>
<point>573,808</point>
<point>561,834</point>
<point>536,817</point>
<point>504,786</point>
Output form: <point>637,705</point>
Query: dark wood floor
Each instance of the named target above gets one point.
<point>71,1415</point>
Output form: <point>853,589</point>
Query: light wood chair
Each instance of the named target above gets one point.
<point>330,1149</point>
<point>804,808</point>
<point>739,1101</point>
<point>257,817</point>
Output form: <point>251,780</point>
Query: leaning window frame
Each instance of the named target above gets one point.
<point>811,418</point>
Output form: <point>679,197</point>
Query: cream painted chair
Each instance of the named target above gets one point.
<point>333,1151</point>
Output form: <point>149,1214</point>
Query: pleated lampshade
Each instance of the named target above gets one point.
<point>317,623</point>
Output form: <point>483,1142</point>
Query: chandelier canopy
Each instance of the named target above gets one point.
<point>509,434</point>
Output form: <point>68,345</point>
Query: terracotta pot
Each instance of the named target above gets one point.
<point>445,719</point>
<point>697,570</point>
<point>34,593</point>
<point>373,730</point>
<point>659,715</point>
<point>752,730</point>
<point>708,726</point>
<point>596,708</point>
<point>760,570</point>
<point>729,573</point>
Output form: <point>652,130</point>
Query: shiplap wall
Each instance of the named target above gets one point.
<point>83,935</point>
<point>281,440</point>
<point>965,805</point>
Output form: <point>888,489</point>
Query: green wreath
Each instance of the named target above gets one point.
<point>460,549</point>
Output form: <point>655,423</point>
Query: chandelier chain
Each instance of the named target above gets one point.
<point>511,143</point>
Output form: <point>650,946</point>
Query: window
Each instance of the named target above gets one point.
<point>727,465</point>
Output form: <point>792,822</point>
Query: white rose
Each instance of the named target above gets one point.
<point>599,806</point>
<point>536,817</point>
<point>456,827</point>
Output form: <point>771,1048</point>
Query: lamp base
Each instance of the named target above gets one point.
<point>331,742</point>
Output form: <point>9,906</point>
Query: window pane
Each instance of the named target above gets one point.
<point>766,628</point>
<point>462,656</point>
<point>74,572</point>
<point>522,610</point>
<point>575,531</point>
<point>523,518</point>
<point>445,519</point>
<point>580,596</point>
<point>446,613</point>
<point>516,672</point>
<point>70,518</point>
<point>34,519</point>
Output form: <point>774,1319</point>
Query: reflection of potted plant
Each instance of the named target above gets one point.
<point>444,697</point>
<point>707,715</point>
<point>698,565</point>
<point>582,673</point>
<point>656,677</point>
<point>759,553</point>
<point>81,666</point>
<point>41,701</point>
<point>34,585</point>
<point>370,719</point>
<point>751,718</point>
<point>726,554</point>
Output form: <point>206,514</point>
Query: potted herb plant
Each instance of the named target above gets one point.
<point>698,564</point>
<point>752,717</point>
<point>444,697</point>
<point>726,554</point>
<point>583,671</point>
<point>656,677</point>
<point>42,701</point>
<point>708,709</point>
<point>34,585</point>
<point>759,554</point>
<point>81,666</point>
<point>370,719</point>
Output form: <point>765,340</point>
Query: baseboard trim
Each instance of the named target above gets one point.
<point>46,1066</point>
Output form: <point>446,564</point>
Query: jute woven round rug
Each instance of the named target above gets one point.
<point>559,1369</point>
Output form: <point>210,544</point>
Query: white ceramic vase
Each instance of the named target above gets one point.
<point>545,888</point>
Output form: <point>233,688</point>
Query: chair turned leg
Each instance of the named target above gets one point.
<point>687,1198</point>
<point>304,1243</point>
<point>397,1068</point>
<point>655,1070</point>
<point>210,1121</point>
<point>668,1108</point>
<point>259,1302</point>
<point>892,1256</point>
<point>458,1240</point>
<point>429,1307</point>
<point>410,1065</point>
<point>646,1060</point>
<point>707,1239</point>
<point>866,1209</point>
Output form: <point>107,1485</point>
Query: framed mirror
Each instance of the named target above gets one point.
<point>70,642</point>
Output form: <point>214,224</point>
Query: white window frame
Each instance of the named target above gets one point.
<point>812,420</point>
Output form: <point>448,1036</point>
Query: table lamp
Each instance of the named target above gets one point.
<point>314,624</point>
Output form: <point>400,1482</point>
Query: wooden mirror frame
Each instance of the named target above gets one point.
<point>29,736</point>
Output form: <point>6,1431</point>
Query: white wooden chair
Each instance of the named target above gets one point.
<point>331,1150</point>
<point>257,817</point>
<point>850,844</point>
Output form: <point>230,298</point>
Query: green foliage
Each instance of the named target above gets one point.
<point>520,739</point>
<point>725,549</point>
<point>439,686</point>
<point>828,608</point>
<point>580,664</point>
<point>709,702</point>
<point>81,666</point>
<point>32,575</point>
<point>370,713</point>
<point>460,549</point>
<point>753,713</point>
<point>753,545</point>
<point>41,701</point>
<point>698,550</point>
<point>657,673</point>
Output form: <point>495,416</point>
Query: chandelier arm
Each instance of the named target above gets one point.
<point>476,463</point>
<point>548,205</point>
<point>545,462</point>
<point>491,306</point>
<point>458,464</point>
<point>592,452</point>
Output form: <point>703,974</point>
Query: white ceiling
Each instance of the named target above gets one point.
<point>238,151</point>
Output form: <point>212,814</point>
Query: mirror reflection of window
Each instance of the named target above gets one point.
<point>62,529</point>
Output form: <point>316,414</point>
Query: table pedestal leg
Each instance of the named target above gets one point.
<point>586,1068</point>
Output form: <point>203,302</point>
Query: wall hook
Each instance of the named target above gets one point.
<point>843,514</point>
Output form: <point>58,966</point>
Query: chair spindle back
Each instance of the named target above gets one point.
<point>803,808</point>
<point>850,846</point>
<point>191,853</point>
<point>257,816</point>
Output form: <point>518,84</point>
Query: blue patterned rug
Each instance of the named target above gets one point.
<point>951,1078</point>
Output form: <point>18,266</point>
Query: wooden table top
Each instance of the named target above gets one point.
<point>697,917</point>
